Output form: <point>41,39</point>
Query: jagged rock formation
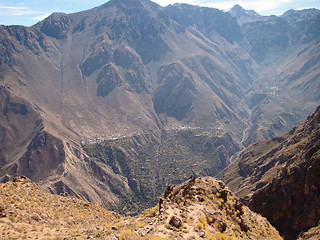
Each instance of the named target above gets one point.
<point>279,178</point>
<point>136,71</point>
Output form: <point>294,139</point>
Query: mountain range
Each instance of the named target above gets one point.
<point>113,104</point>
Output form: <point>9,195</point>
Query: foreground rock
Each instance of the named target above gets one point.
<point>198,208</point>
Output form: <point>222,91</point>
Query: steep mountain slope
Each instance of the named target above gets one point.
<point>279,178</point>
<point>200,208</point>
<point>129,78</point>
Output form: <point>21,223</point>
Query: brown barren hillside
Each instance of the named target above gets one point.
<point>200,208</point>
<point>279,178</point>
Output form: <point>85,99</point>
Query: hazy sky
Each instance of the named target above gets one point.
<point>29,12</point>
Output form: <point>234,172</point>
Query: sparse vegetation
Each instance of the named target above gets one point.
<point>203,220</point>
<point>31,211</point>
<point>127,234</point>
<point>199,225</point>
<point>204,214</point>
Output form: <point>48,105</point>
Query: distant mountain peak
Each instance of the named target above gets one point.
<point>237,11</point>
<point>237,7</point>
<point>132,3</point>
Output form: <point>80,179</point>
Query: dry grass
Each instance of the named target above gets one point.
<point>31,212</point>
<point>205,208</point>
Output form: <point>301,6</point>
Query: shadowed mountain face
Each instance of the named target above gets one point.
<point>143,77</point>
<point>279,178</point>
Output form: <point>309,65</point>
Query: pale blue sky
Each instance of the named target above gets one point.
<point>29,12</point>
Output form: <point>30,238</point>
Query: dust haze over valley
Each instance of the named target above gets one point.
<point>114,103</point>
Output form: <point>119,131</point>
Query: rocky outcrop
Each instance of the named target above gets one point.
<point>200,208</point>
<point>108,79</point>
<point>99,55</point>
<point>57,25</point>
